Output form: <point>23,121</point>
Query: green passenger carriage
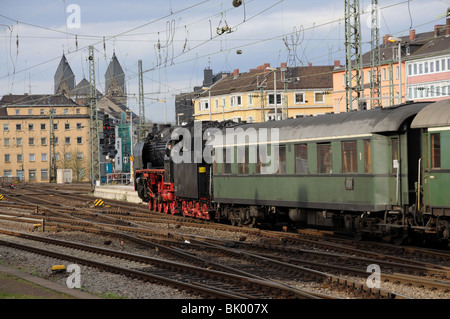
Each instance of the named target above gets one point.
<point>357,171</point>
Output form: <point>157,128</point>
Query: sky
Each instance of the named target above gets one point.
<point>177,39</point>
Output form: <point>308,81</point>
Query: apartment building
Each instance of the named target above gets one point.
<point>25,148</point>
<point>266,93</point>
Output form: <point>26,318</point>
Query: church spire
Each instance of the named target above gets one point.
<point>115,86</point>
<point>64,77</point>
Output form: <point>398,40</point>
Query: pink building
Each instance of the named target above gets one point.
<point>425,70</point>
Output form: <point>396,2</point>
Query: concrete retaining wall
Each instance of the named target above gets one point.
<point>125,193</point>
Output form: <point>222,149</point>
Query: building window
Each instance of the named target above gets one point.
<point>18,127</point>
<point>32,157</point>
<point>56,140</point>
<point>319,97</point>
<point>7,173</point>
<point>67,140</point>
<point>6,141</point>
<point>5,127</point>
<point>19,158</point>
<point>80,156</point>
<point>30,111</point>
<point>32,174</point>
<point>19,141</point>
<point>67,156</point>
<point>324,156</point>
<point>7,158</point>
<point>66,111</point>
<point>436,150</point>
<point>79,140</point>
<point>17,111</point>
<point>67,126</point>
<point>250,99</point>
<point>349,157</point>
<point>272,99</point>
<point>79,126</point>
<point>301,159</point>
<point>20,174</point>
<point>299,98</point>
<point>30,127</point>
<point>43,126</point>
<point>204,105</point>
<point>44,157</point>
<point>31,141</point>
<point>43,141</point>
<point>42,112</point>
<point>44,174</point>
<point>78,111</point>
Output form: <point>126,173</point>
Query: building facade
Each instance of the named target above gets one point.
<point>266,93</point>
<point>428,73</point>
<point>25,144</point>
<point>424,72</point>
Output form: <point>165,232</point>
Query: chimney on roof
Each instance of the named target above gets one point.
<point>385,39</point>
<point>309,64</point>
<point>266,65</point>
<point>337,63</point>
<point>447,23</point>
<point>236,73</point>
<point>412,35</point>
<point>283,65</point>
<point>438,30</point>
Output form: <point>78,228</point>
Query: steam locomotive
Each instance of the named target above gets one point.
<point>383,172</point>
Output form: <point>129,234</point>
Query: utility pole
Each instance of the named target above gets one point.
<point>95,136</point>
<point>353,63</point>
<point>261,85</point>
<point>52,167</point>
<point>141,126</point>
<point>375,70</point>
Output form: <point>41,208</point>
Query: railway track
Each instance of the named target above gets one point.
<point>123,220</point>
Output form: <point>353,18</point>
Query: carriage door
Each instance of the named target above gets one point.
<point>414,144</point>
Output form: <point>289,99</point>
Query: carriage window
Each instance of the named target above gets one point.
<point>301,159</point>
<point>367,157</point>
<point>214,156</point>
<point>281,159</point>
<point>349,157</point>
<point>324,156</point>
<point>243,156</point>
<point>436,150</point>
<point>226,163</point>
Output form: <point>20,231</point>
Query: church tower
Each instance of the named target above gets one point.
<point>115,87</point>
<point>64,78</point>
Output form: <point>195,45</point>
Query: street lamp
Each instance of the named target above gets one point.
<point>131,148</point>
<point>396,39</point>
<point>275,90</point>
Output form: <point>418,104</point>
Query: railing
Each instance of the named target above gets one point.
<point>118,178</point>
<point>6,181</point>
